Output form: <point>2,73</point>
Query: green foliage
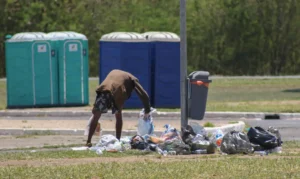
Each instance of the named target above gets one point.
<point>208,124</point>
<point>229,37</point>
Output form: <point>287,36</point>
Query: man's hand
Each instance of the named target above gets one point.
<point>146,116</point>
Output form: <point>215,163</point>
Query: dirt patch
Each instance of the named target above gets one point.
<point>78,161</point>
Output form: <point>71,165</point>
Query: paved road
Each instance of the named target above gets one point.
<point>288,128</point>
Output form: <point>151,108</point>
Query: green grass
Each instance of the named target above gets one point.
<point>223,168</point>
<point>208,124</point>
<point>2,95</point>
<point>245,95</point>
<point>150,165</point>
<point>65,154</point>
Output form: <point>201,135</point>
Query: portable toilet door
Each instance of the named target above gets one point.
<point>73,67</point>
<point>165,68</point>
<point>127,51</point>
<point>109,54</point>
<point>31,71</point>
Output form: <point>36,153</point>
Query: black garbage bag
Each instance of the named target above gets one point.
<point>196,141</point>
<point>177,145</point>
<point>235,142</point>
<point>260,136</point>
<point>187,134</point>
<point>138,142</point>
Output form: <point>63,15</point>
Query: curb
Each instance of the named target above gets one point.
<point>13,131</point>
<point>233,115</point>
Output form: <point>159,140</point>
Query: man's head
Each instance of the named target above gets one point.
<point>103,102</point>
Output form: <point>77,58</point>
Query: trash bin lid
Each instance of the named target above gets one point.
<point>28,36</point>
<point>161,36</point>
<point>122,36</point>
<point>64,35</point>
<point>199,75</point>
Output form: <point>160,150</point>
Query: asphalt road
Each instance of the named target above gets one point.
<point>289,129</point>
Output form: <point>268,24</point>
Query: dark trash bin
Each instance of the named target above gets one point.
<point>198,83</point>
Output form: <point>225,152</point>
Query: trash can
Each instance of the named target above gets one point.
<point>165,49</point>
<point>198,83</point>
<point>127,51</point>
<point>73,73</point>
<point>31,71</point>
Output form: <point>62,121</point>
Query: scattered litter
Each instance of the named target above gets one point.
<point>217,137</point>
<point>199,151</point>
<point>169,133</point>
<point>236,143</point>
<point>99,151</point>
<point>106,139</point>
<point>138,142</point>
<point>80,148</point>
<point>193,139</point>
<point>198,129</point>
<point>257,141</point>
<point>262,137</point>
<point>199,142</point>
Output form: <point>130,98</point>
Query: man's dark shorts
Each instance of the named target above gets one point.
<point>104,102</point>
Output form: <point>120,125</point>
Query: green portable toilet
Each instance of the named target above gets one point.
<point>31,71</point>
<point>73,72</point>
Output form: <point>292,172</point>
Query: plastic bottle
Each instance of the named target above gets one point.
<point>218,137</point>
<point>200,151</point>
<point>172,152</point>
<point>99,152</point>
<point>161,152</point>
<point>275,150</point>
<point>261,153</point>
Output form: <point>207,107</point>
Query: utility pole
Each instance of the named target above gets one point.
<point>183,65</point>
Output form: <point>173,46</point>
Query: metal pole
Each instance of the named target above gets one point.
<point>183,64</point>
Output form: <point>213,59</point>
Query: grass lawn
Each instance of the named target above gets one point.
<point>137,164</point>
<point>248,95</point>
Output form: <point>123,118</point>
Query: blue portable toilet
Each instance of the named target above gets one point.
<point>128,51</point>
<point>31,71</point>
<point>73,72</point>
<point>166,68</point>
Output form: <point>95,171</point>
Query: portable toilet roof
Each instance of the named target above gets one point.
<point>28,36</point>
<point>123,36</point>
<point>161,36</point>
<point>63,35</point>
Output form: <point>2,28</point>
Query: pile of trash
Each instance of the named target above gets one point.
<point>257,140</point>
<point>193,139</point>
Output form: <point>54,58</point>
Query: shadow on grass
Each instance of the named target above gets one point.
<point>297,90</point>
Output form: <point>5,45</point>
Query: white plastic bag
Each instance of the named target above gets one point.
<point>115,147</point>
<point>98,131</point>
<point>106,139</point>
<point>145,126</point>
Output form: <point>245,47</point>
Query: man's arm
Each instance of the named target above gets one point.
<point>142,95</point>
